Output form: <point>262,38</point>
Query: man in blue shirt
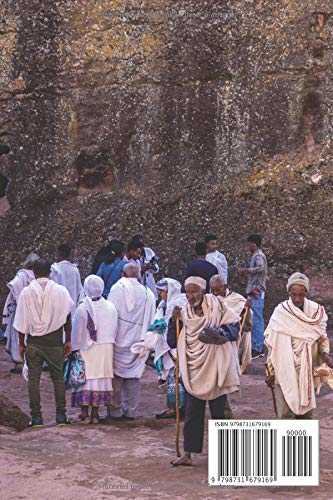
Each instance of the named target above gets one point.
<point>111,270</point>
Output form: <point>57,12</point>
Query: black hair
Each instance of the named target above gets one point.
<point>138,240</point>
<point>200,248</point>
<point>64,250</point>
<point>134,245</point>
<point>211,237</point>
<point>41,268</point>
<point>115,249</point>
<point>255,238</point>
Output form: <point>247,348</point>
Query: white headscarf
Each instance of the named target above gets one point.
<point>195,280</point>
<point>93,288</point>
<point>175,297</point>
<point>101,324</point>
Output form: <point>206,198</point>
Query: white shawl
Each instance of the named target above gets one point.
<point>105,319</point>
<point>290,336</point>
<point>157,342</point>
<point>136,308</point>
<point>22,279</point>
<point>220,262</point>
<point>67,274</point>
<point>208,371</point>
<point>42,310</point>
<point>237,302</point>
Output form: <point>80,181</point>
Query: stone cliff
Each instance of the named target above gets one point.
<point>169,117</point>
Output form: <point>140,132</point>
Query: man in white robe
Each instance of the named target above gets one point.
<point>66,273</point>
<point>136,307</point>
<point>22,279</point>
<point>208,363</point>
<point>42,315</point>
<point>215,257</point>
<point>239,305</point>
<point>297,344</point>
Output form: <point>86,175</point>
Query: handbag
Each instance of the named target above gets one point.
<point>171,392</point>
<point>74,371</point>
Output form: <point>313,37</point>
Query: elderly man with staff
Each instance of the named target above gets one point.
<point>208,361</point>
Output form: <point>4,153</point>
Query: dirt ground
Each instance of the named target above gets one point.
<point>131,460</point>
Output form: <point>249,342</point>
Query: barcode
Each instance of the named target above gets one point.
<point>276,452</point>
<point>297,455</point>
<point>247,452</point>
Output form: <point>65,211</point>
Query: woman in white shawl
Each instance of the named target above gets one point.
<point>22,279</point>
<point>170,293</point>
<point>94,331</point>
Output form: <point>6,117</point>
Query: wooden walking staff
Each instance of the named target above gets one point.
<point>268,374</point>
<point>177,393</point>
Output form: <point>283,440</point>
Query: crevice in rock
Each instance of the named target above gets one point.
<point>311,118</point>
<point>95,171</point>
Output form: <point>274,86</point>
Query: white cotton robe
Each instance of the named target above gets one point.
<point>42,308</point>
<point>136,308</point>
<point>22,279</point>
<point>220,262</point>
<point>236,303</point>
<point>290,337</point>
<point>98,355</point>
<point>67,274</point>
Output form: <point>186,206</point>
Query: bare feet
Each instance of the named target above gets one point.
<point>183,460</point>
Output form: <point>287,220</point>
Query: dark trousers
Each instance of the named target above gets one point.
<point>51,350</point>
<point>195,420</point>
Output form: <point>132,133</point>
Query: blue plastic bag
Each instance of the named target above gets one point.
<point>171,392</point>
<point>74,371</point>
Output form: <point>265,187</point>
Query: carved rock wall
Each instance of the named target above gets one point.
<point>171,117</point>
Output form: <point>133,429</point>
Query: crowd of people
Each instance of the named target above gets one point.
<point>126,315</point>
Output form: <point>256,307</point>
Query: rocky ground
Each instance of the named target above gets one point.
<point>130,460</point>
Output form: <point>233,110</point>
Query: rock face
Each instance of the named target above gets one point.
<point>169,117</point>
<point>11,415</point>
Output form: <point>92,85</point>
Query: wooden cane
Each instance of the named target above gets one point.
<point>272,390</point>
<point>177,393</point>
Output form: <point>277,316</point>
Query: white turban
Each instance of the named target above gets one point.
<point>298,279</point>
<point>93,286</point>
<point>195,280</point>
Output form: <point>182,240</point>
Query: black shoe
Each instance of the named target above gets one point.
<point>62,420</point>
<point>17,370</point>
<point>165,414</point>
<point>36,422</point>
<point>256,354</point>
<point>125,417</point>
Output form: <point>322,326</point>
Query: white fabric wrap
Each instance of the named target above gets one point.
<point>155,341</point>
<point>42,310</point>
<point>208,371</point>
<point>196,280</point>
<point>98,356</point>
<point>67,274</point>
<point>136,308</point>
<point>293,365</point>
<point>236,303</point>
